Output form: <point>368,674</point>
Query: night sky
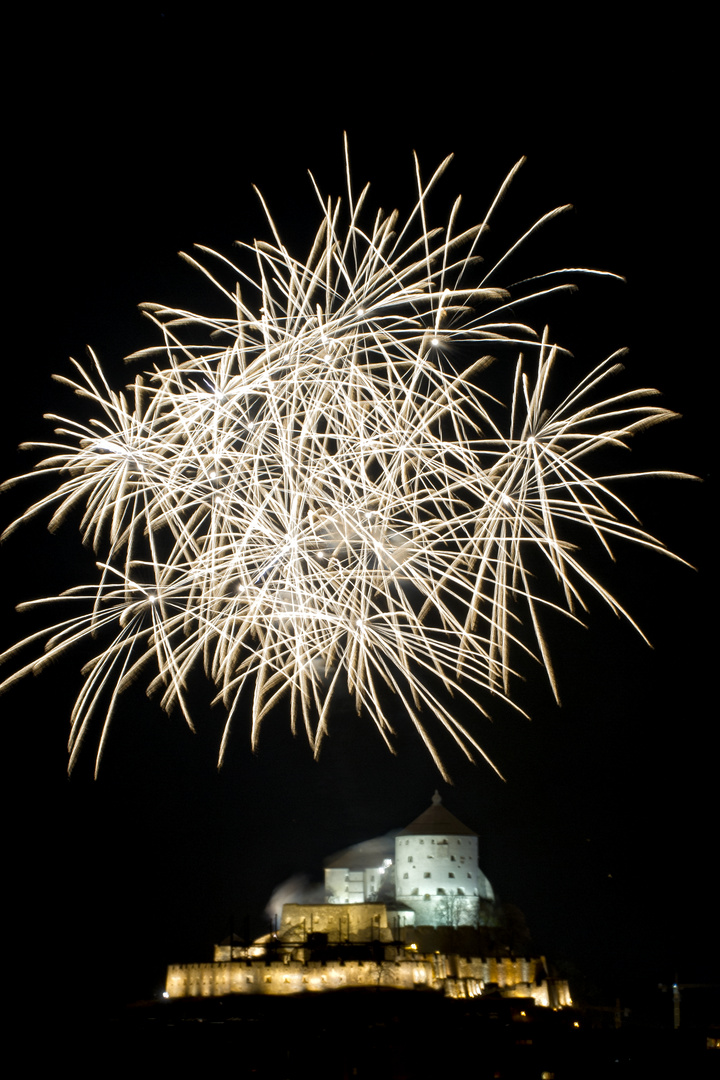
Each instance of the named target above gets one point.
<point>148,139</point>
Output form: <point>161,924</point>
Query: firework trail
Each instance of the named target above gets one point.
<point>323,498</point>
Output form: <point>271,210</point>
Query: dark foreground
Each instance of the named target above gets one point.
<point>383,1035</point>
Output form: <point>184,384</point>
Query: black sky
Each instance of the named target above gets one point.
<point>135,138</point>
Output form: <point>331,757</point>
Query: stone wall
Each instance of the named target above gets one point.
<point>341,922</point>
<point>457,977</point>
<point>294,977</point>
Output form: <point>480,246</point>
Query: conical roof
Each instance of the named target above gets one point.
<point>437,821</point>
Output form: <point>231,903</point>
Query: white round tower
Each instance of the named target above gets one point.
<point>437,872</point>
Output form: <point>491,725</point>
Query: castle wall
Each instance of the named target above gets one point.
<point>456,977</point>
<point>280,977</point>
<point>341,922</point>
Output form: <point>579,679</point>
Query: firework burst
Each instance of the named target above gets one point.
<point>322,498</point>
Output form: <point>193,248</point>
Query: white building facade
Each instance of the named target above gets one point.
<point>361,874</point>
<point>434,875</point>
<point>437,872</point>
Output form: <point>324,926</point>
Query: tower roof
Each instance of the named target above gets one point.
<point>437,821</point>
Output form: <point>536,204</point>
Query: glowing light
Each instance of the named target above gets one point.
<point>318,499</point>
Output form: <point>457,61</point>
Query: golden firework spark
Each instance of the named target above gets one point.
<point>323,497</point>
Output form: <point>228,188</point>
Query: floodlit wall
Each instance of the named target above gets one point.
<point>341,922</point>
<point>294,977</point>
<point>254,971</point>
<point>456,977</point>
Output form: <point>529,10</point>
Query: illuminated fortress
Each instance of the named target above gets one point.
<point>434,875</point>
<point>387,923</point>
